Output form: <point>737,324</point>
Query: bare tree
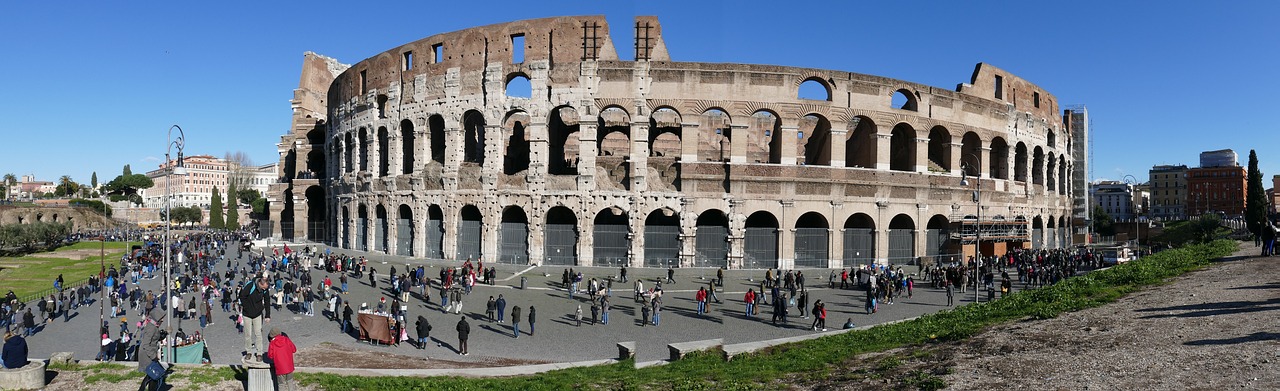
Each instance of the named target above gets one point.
<point>239,168</point>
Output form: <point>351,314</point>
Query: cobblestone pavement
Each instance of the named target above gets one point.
<point>558,337</point>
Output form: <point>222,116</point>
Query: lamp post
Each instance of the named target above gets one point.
<point>977,232</point>
<point>177,169</point>
<point>1133,184</point>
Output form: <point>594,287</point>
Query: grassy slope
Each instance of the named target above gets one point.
<point>30,274</point>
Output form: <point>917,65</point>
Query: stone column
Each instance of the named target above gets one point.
<point>838,136</point>
<point>539,150</point>
<point>394,162</point>
<point>789,131</point>
<point>490,228</point>
<point>984,154</point>
<point>494,156</point>
<point>639,160</point>
<point>635,222</point>
<point>585,242</point>
<point>689,138</point>
<point>738,143</point>
<point>884,149</point>
<point>587,151</point>
<point>957,157</point>
<point>922,155</point>
<point>452,213</point>
<point>787,231</point>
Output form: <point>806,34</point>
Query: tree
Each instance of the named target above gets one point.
<point>66,186</point>
<point>9,181</point>
<point>126,187</point>
<point>1102,223</point>
<point>248,196</point>
<point>1255,207</point>
<point>93,181</point>
<point>215,211</point>
<point>233,206</point>
<point>259,209</point>
<point>127,171</point>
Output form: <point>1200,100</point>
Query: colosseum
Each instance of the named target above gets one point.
<point>531,142</point>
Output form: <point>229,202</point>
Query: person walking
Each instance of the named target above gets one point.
<point>424,331</point>
<point>515,322</point>
<point>820,316</point>
<point>533,312</point>
<point>149,346</point>
<point>671,275</point>
<point>281,353</point>
<point>256,308</point>
<point>464,331</point>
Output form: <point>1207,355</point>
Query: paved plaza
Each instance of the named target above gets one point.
<point>558,338</point>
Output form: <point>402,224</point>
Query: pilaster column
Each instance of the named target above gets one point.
<point>922,155</point>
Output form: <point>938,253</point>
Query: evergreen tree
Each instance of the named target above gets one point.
<point>233,212</point>
<point>127,171</point>
<point>215,211</point>
<point>1255,207</point>
<point>93,181</point>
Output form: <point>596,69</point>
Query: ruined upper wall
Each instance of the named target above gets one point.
<point>317,75</point>
<point>990,82</point>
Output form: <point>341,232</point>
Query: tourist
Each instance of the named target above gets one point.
<point>848,324</point>
<point>489,308</point>
<point>750,300</point>
<point>656,303</point>
<point>464,331</point>
<point>424,331</point>
<point>346,316</point>
<point>820,316</point>
<point>515,322</point>
<point>533,312</point>
<point>149,343</point>
<point>501,305</point>
<point>280,352</point>
<point>577,316</point>
<point>671,275</point>
<point>15,351</point>
<point>255,304</point>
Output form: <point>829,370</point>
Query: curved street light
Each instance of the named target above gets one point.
<point>977,232</point>
<point>180,170</point>
<point>1133,199</point>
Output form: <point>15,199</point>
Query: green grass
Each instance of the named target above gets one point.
<point>764,369</point>
<point>33,273</point>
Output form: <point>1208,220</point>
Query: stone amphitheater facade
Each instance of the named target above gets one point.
<point>530,142</point>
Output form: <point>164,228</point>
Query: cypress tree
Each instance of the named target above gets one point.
<point>1255,207</point>
<point>233,206</point>
<point>215,211</point>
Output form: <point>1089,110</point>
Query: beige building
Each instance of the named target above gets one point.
<point>530,142</point>
<point>204,172</point>
<point>1168,192</point>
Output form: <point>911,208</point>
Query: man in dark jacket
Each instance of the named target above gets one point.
<point>502,308</point>
<point>515,322</point>
<point>28,323</point>
<point>346,316</point>
<point>424,332</point>
<point>15,351</point>
<point>256,307</point>
<point>464,331</point>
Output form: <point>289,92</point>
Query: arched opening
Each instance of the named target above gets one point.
<point>514,241</point>
<point>470,232</point>
<point>1020,162</point>
<point>362,228</point>
<point>859,240</point>
<point>1064,232</point>
<point>315,163</point>
<point>384,152</point>
<point>860,148</point>
<point>474,137</point>
<point>760,242</point>
<point>766,141</point>
<point>939,149</point>
<point>404,231</point>
<point>999,166</point>
<point>560,241</point>
<point>971,154</point>
<point>815,140</point>
<point>1051,233</point>
<point>1062,175</point>
<point>316,214</point>
<point>903,100</point>
<point>1051,140</point>
<point>363,144</point>
<point>902,148</point>
<point>613,138</point>
<point>609,238</point>
<point>349,151</point>
<point>1037,167</point>
<point>902,239</point>
<point>290,164</point>
<point>434,233</point>
<point>518,86</point>
<point>937,234</point>
<point>436,125</point>
<point>814,89</point>
<point>1037,233</point>
<point>711,239</point>
<point>1051,182</point>
<point>714,134</point>
<point>380,229</point>
<point>286,216</point>
<point>664,133</point>
<point>562,131</point>
<point>812,233</point>
<point>516,158</point>
<point>382,106</point>
<point>407,141</point>
<point>662,239</point>
<point>315,136</point>
<point>346,228</point>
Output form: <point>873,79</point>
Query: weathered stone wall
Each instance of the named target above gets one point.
<point>81,218</point>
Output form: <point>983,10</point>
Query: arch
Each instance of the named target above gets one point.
<point>380,228</point>
<point>939,149</point>
<point>859,240</point>
<point>315,136</point>
<point>349,150</point>
<point>317,213</point>
<point>937,234</point>
<point>904,99</point>
<point>711,239</point>
<point>315,163</point>
<point>516,158</point>
<point>902,148</point>
<point>363,144</point>
<point>662,238</point>
<point>433,233</point>
<point>473,125</point>
<point>860,150</point>
<point>407,140</point>
<point>1062,175</point>
<point>513,247</point>
<point>812,240</point>
<point>291,163</point>
<point>609,232</point>
<point>287,217</point>
<point>1037,232</point>
<point>560,237</point>
<point>404,231</point>
<point>518,86</point>
<point>999,166</point>
<point>1037,166</point>
<point>971,154</point>
<point>362,228</point>
<point>1020,162</point>
<point>613,135</point>
<point>470,233</point>
<point>714,135</point>
<point>764,130</point>
<point>384,152</point>
<point>665,133</point>
<point>814,88</point>
<point>1050,181</point>
<point>902,239</point>
<point>563,139</point>
<point>815,140</point>
<point>760,242</point>
<point>346,228</point>
<point>1051,140</point>
<point>435,125</point>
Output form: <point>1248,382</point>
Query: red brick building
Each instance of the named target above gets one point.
<point>1216,189</point>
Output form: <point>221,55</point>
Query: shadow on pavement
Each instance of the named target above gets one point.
<point>1211,309</point>
<point>1255,337</point>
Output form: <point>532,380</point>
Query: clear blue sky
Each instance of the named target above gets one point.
<point>93,85</point>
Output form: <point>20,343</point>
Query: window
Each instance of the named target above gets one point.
<point>999,87</point>
<point>364,84</point>
<point>517,48</point>
<point>408,61</point>
<point>437,51</point>
<point>1035,99</point>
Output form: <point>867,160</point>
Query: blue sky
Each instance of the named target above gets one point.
<point>93,85</point>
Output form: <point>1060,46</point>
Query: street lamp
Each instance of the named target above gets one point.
<point>1133,198</point>
<point>177,169</point>
<point>977,232</point>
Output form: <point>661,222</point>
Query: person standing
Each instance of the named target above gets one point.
<point>947,285</point>
<point>750,300</point>
<point>256,309</point>
<point>533,312</point>
<point>820,316</point>
<point>802,302</point>
<point>464,331</point>
<point>490,307</point>
<point>604,309</point>
<point>595,311</point>
<point>281,353</point>
<point>149,343</point>
<point>623,274</point>
<point>346,316</point>
<point>515,322</point>
<point>657,309</point>
<point>502,308</point>
<point>577,316</point>
<point>424,331</point>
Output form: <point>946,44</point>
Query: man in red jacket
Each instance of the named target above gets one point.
<point>281,351</point>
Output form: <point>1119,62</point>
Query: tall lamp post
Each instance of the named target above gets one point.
<point>177,169</point>
<point>1133,199</point>
<point>977,242</point>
